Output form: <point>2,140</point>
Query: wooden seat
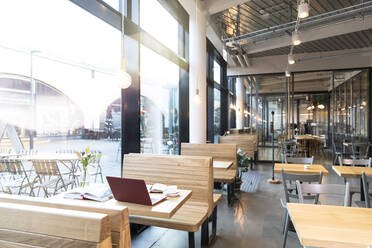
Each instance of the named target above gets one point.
<point>187,172</point>
<point>34,226</point>
<point>119,219</point>
<point>219,152</point>
<point>246,142</point>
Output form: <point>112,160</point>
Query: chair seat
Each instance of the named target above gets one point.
<point>224,176</point>
<point>52,182</point>
<point>188,218</point>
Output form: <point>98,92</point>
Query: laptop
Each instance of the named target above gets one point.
<point>133,190</point>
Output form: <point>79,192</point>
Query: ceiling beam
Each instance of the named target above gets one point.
<point>215,6</point>
<point>330,30</point>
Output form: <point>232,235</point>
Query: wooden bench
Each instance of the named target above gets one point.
<point>246,143</point>
<point>118,215</point>
<point>33,226</point>
<point>220,152</point>
<point>187,172</point>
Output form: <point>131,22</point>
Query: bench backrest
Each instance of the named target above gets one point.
<point>187,172</point>
<point>118,215</point>
<point>221,152</point>
<point>246,142</point>
<point>33,226</point>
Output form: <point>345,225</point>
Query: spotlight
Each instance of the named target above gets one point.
<point>321,106</point>
<point>303,9</point>
<point>296,38</point>
<point>291,59</point>
<point>287,73</point>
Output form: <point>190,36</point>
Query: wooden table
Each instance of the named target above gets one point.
<point>222,164</point>
<point>164,209</point>
<point>300,169</point>
<point>353,172</point>
<point>331,226</point>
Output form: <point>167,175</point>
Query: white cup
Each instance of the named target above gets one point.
<point>306,166</point>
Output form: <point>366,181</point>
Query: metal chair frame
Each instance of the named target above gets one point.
<point>367,181</point>
<point>299,160</point>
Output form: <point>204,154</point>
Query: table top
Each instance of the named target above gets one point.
<point>300,168</point>
<point>331,226</point>
<point>50,156</point>
<point>222,164</point>
<point>356,144</point>
<point>163,209</point>
<point>351,171</point>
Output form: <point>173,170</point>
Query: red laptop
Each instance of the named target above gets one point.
<point>132,190</point>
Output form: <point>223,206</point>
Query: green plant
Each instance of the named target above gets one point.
<point>243,160</point>
<point>86,158</point>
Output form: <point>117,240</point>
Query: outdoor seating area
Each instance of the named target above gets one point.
<point>185,123</point>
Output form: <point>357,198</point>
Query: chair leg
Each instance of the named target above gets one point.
<point>286,226</point>
<point>205,233</point>
<point>214,224</point>
<point>191,240</point>
<point>229,197</point>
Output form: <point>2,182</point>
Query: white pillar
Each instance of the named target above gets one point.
<point>197,73</point>
<point>240,91</point>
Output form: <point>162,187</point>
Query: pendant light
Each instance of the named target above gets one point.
<point>291,59</point>
<point>123,77</point>
<point>303,9</point>
<point>287,73</point>
<point>296,38</point>
<point>196,98</point>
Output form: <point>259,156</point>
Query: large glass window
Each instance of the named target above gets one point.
<point>159,104</point>
<point>73,100</point>
<point>159,23</point>
<point>217,114</point>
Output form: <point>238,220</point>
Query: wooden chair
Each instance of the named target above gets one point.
<point>14,179</point>
<point>219,152</point>
<point>367,181</point>
<point>299,160</point>
<point>119,219</point>
<point>33,226</point>
<point>289,196</point>
<point>187,172</point>
<point>49,176</point>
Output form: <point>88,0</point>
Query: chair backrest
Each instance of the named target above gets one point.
<point>299,160</point>
<point>33,226</point>
<point>221,152</point>
<point>355,162</point>
<point>246,142</point>
<point>186,172</point>
<point>46,167</point>
<point>367,181</point>
<point>12,166</point>
<point>289,177</point>
<point>119,219</point>
<point>328,189</point>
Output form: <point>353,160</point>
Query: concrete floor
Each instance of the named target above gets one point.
<point>255,220</point>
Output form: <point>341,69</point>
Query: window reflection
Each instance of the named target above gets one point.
<point>159,104</point>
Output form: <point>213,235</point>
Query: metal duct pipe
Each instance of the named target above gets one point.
<point>324,17</point>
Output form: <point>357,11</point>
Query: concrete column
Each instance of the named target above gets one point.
<point>240,103</point>
<point>197,73</point>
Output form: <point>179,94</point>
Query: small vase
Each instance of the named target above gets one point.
<point>84,179</point>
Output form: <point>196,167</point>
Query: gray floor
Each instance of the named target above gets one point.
<point>255,220</point>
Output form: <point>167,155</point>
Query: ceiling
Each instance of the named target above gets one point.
<point>360,39</point>
<point>261,18</point>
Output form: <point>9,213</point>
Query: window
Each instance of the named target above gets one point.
<point>76,100</point>
<point>217,114</point>
<point>159,23</point>
<point>217,72</point>
<point>159,104</point>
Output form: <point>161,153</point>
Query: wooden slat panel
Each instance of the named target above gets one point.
<point>53,223</point>
<point>187,172</point>
<point>119,219</point>
<point>220,152</point>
